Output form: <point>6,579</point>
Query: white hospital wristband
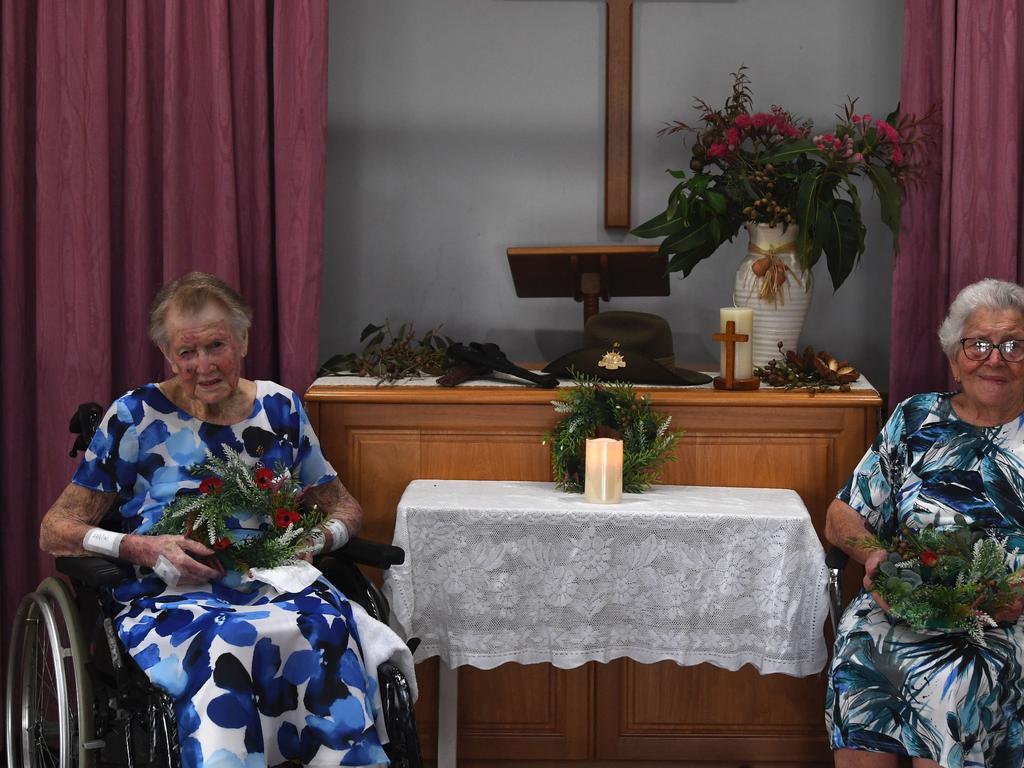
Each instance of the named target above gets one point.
<point>102,542</point>
<point>338,531</point>
<point>167,571</point>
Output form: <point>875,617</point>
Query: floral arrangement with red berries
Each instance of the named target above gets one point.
<point>772,168</point>
<point>231,488</point>
<point>951,579</point>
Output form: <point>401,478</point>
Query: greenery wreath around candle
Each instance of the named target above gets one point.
<point>949,579</point>
<point>595,408</point>
<point>230,488</point>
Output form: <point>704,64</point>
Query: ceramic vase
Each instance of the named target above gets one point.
<point>779,317</point>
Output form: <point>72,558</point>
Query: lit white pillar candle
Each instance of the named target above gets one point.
<point>744,320</point>
<point>603,481</point>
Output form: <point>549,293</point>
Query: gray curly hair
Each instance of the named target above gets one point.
<point>984,294</point>
<point>190,293</point>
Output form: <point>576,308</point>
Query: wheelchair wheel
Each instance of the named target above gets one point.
<point>48,697</point>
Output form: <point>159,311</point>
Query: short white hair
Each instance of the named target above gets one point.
<point>984,294</point>
<point>189,294</point>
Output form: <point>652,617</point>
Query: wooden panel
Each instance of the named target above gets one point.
<point>664,711</point>
<point>527,712</point>
<point>381,464</point>
<point>475,456</point>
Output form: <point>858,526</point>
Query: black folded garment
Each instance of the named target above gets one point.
<point>476,359</point>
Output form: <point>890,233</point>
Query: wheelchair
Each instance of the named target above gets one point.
<point>75,698</point>
<point>835,562</point>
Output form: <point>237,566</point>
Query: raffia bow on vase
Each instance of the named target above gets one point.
<point>772,283</point>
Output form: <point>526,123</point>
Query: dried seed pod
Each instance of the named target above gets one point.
<point>821,366</point>
<point>760,266</point>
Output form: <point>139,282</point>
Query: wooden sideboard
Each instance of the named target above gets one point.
<point>381,438</point>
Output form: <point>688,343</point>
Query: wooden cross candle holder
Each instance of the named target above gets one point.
<point>729,381</point>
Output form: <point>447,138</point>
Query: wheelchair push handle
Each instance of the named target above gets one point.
<point>836,559</point>
<point>372,553</point>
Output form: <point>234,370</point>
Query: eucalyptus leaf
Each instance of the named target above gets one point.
<point>717,201</point>
<point>788,150</point>
<point>660,226</point>
<point>686,240</point>
<point>371,328</point>
<point>912,578</point>
<point>840,237</point>
<point>889,199</point>
<point>685,262</point>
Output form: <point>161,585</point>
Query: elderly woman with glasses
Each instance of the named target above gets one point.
<point>943,699</point>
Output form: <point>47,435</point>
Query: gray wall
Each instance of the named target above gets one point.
<point>458,128</point>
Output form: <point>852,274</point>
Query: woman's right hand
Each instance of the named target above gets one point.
<point>194,562</point>
<point>874,559</point>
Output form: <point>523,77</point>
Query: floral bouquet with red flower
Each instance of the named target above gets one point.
<point>232,489</point>
<point>773,168</point>
<point>950,579</point>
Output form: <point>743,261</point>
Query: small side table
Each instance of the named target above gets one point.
<point>518,571</point>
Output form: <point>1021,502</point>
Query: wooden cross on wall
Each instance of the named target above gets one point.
<point>618,115</point>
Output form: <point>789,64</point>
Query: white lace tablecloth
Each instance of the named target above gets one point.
<point>516,571</point>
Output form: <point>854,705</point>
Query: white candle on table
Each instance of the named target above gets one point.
<point>603,481</point>
<point>744,320</point>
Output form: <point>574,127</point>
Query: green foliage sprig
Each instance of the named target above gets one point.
<point>391,356</point>
<point>230,487</point>
<point>613,407</point>
<point>949,579</point>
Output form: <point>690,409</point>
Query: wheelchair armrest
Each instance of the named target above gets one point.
<point>372,553</point>
<point>95,571</point>
<point>836,559</point>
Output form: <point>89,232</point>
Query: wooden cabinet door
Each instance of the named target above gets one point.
<point>703,714</point>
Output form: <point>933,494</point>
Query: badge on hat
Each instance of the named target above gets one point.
<point>612,359</point>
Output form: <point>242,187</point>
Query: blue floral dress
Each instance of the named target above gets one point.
<point>937,695</point>
<point>257,677</point>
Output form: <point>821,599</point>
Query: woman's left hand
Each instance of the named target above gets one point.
<point>1013,611</point>
<point>1010,613</point>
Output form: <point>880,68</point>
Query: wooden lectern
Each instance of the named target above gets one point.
<point>589,272</point>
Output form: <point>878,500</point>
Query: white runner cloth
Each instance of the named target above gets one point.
<point>516,571</point>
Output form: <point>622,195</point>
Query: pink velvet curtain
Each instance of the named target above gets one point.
<point>141,140</point>
<point>967,221</point>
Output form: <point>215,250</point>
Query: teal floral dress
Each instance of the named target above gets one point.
<point>258,677</point>
<point>937,695</point>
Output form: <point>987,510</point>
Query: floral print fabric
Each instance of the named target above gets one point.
<point>257,677</point>
<point>937,695</point>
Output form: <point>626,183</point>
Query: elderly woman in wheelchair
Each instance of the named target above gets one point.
<point>255,674</point>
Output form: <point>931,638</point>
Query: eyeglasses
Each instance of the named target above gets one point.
<point>1011,350</point>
